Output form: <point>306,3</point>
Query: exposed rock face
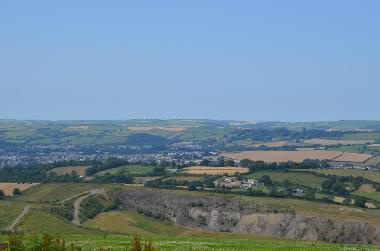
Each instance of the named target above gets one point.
<point>233,215</point>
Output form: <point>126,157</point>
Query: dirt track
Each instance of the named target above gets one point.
<point>79,200</point>
<point>18,219</point>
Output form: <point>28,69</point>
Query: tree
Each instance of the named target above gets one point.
<point>266,180</point>
<point>17,191</point>
<point>360,202</point>
<point>229,162</point>
<point>204,162</point>
<point>192,186</point>
<point>2,195</point>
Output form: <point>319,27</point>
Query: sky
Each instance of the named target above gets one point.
<point>241,60</point>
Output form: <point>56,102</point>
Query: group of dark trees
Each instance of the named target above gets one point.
<point>255,166</point>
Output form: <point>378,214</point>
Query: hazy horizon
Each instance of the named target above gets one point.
<point>247,60</point>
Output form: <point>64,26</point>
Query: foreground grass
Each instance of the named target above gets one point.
<point>119,242</point>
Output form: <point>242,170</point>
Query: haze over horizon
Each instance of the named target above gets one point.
<point>246,60</point>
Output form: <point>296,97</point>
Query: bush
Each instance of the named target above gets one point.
<point>17,191</point>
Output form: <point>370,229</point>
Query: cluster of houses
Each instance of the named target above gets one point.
<point>233,182</point>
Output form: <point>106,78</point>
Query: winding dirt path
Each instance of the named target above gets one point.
<point>12,227</point>
<point>79,200</point>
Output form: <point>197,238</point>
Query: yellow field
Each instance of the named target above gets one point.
<point>8,188</point>
<point>215,170</point>
<point>327,142</point>
<point>353,157</point>
<point>284,156</point>
<point>68,169</point>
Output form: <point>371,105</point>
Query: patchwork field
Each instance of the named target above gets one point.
<point>353,157</point>
<point>283,156</point>
<point>214,170</point>
<point>327,142</point>
<point>8,188</point>
<point>81,170</point>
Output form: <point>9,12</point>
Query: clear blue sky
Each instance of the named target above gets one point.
<point>246,60</point>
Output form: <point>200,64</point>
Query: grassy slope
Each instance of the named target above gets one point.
<point>56,191</point>
<point>40,221</point>
<point>132,169</point>
<point>9,210</point>
<point>131,223</point>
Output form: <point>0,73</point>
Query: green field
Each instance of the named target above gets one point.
<point>370,195</point>
<point>373,161</point>
<point>299,178</point>
<point>349,148</point>
<point>371,175</point>
<point>132,169</point>
<point>362,135</point>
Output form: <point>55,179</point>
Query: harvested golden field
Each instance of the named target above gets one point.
<point>271,144</point>
<point>8,188</point>
<point>81,170</point>
<point>353,157</point>
<point>81,127</point>
<point>215,170</point>
<point>284,156</point>
<point>165,128</point>
<point>328,142</point>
